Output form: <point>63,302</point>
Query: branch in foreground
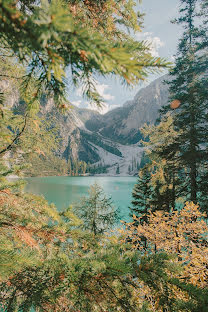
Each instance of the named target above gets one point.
<point>10,146</point>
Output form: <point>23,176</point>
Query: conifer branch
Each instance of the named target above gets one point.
<point>10,146</point>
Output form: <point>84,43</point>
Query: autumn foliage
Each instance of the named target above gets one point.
<point>182,232</point>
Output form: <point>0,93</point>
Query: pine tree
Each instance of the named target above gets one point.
<point>69,167</point>
<point>188,87</point>
<point>129,169</point>
<point>203,62</point>
<point>84,167</point>
<point>96,211</point>
<point>132,164</point>
<point>118,170</point>
<point>137,165</point>
<point>163,163</point>
<point>141,195</point>
<point>143,161</point>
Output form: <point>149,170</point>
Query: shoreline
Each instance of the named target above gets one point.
<point>80,176</point>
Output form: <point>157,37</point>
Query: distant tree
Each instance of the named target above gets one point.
<point>135,162</point>
<point>137,165</point>
<point>129,169</point>
<point>118,170</point>
<point>84,167</point>
<point>69,167</point>
<point>141,194</point>
<point>96,211</point>
<point>143,161</point>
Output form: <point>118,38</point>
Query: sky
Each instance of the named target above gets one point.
<point>164,37</point>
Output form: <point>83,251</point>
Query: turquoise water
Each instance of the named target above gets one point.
<point>63,191</point>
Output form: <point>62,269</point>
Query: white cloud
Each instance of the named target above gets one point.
<point>155,43</point>
<point>104,108</point>
<point>101,89</point>
<point>77,103</point>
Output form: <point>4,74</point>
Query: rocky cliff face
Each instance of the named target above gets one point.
<point>122,124</point>
<point>71,126</point>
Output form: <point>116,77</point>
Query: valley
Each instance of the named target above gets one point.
<point>109,141</point>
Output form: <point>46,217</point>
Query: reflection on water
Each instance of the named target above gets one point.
<point>63,191</point>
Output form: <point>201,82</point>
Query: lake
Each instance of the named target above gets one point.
<point>63,191</point>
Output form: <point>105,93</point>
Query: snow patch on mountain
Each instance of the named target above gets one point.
<point>130,154</point>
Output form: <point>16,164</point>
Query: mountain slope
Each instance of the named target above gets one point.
<point>122,124</point>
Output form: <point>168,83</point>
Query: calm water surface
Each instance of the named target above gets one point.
<point>63,191</point>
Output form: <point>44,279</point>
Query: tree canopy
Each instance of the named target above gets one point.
<point>73,41</point>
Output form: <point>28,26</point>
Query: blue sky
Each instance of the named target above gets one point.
<point>164,36</point>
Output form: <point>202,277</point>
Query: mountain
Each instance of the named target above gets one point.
<point>122,124</point>
<point>109,141</point>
